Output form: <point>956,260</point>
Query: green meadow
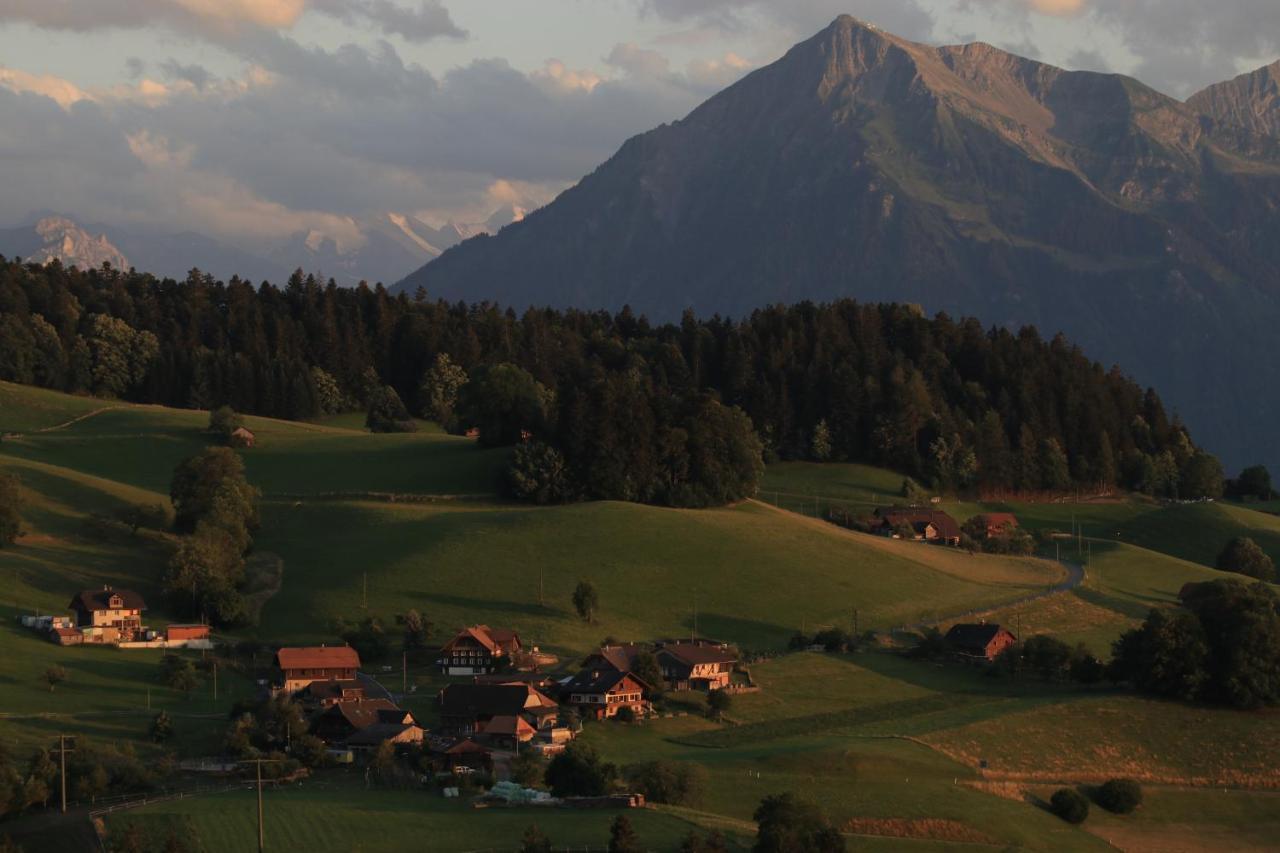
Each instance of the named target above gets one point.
<point>374,525</point>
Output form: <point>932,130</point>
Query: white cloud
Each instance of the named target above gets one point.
<point>62,92</point>
<point>220,20</point>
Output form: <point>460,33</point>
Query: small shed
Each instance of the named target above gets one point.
<point>242,437</point>
<point>186,632</point>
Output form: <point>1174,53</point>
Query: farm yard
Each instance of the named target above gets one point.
<point>902,754</point>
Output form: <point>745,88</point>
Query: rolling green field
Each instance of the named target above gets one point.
<point>877,739</point>
<point>340,814</point>
<point>1192,532</point>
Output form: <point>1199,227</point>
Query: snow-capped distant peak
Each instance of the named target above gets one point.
<point>401,222</point>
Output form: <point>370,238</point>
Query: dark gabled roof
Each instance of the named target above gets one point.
<point>99,599</point>
<point>332,689</point>
<point>599,680</point>
<point>621,658</point>
<point>367,712</point>
<point>973,637</point>
<point>488,700</point>
<point>945,525</point>
<point>698,653</point>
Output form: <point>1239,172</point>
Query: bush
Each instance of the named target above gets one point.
<point>1119,796</point>
<point>1070,805</point>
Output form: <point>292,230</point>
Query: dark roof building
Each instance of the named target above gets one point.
<point>979,640</point>
<point>603,691</point>
<point>466,708</point>
<point>930,525</point>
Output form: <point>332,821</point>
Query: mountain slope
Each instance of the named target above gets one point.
<point>963,178</point>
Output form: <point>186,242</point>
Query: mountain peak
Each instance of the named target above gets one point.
<point>1250,102</point>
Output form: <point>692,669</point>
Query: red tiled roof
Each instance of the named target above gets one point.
<point>318,657</point>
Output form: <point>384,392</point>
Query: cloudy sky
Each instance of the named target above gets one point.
<point>251,120</point>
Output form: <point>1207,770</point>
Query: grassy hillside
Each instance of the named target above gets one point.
<point>880,741</point>
<point>1191,532</point>
<point>756,576</point>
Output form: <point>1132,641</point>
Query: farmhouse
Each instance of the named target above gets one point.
<point>997,524</point>
<point>299,666</point>
<point>466,709</point>
<point>696,666</point>
<point>108,615</point>
<point>365,723</point>
<point>477,650</point>
<point>927,525</point>
<point>601,692</point>
<point>981,641</point>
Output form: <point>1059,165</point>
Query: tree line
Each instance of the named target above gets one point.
<point>663,413</point>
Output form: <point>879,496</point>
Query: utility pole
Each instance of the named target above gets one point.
<point>258,762</point>
<point>695,615</point>
<point>62,756</point>
<point>404,674</point>
<point>261,840</point>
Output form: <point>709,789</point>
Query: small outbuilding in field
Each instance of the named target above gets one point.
<point>979,641</point>
<point>242,437</point>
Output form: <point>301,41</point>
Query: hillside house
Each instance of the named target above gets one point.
<point>108,615</point>
<point>478,650</point>
<point>301,665</point>
<point>601,692</point>
<point>997,524</point>
<point>465,709</point>
<point>507,732</point>
<point>981,641</point>
<point>242,437</point>
<point>696,666</point>
<point>365,723</point>
<point>926,525</point>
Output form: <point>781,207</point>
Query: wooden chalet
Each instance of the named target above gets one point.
<point>696,666</point>
<point>478,650</point>
<point>601,692</point>
<point>927,525</point>
<point>466,709</point>
<point>980,641</point>
<point>301,665</point>
<point>365,723</point>
<point>108,615</point>
<point>997,524</point>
